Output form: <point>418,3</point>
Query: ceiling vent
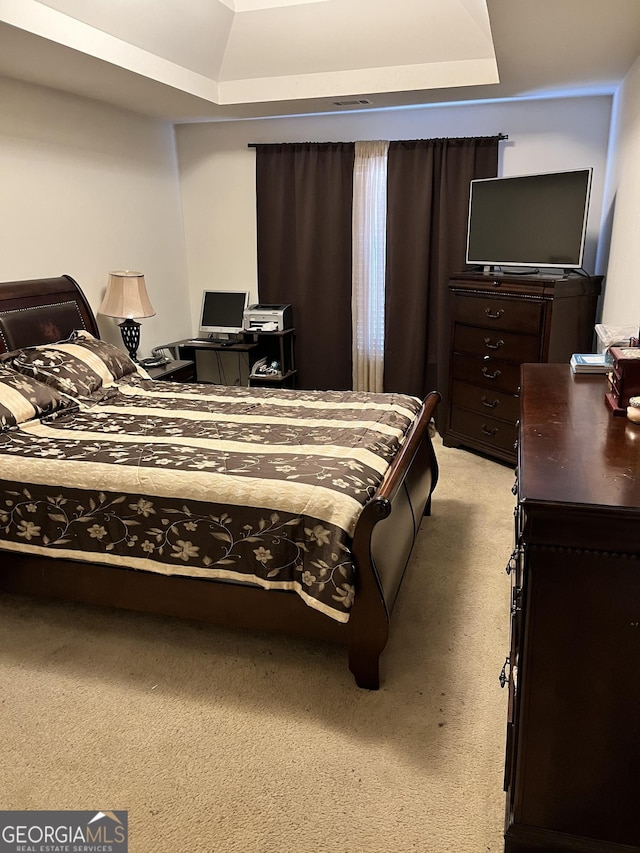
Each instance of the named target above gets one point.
<point>355,103</point>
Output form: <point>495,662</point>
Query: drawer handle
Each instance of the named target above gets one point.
<point>503,678</point>
<point>488,375</point>
<point>497,345</point>
<point>485,429</point>
<point>495,315</point>
<point>490,404</point>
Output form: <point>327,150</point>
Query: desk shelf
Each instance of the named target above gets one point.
<point>274,346</point>
<point>287,380</point>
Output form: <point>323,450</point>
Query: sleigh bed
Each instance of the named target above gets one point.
<point>278,510</point>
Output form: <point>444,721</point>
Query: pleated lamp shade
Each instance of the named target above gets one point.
<point>127,297</point>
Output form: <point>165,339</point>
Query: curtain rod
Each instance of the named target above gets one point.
<point>500,136</point>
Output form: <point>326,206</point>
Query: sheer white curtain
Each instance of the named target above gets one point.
<point>369,259</point>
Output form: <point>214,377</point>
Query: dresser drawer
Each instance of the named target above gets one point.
<point>517,315</point>
<point>489,373</point>
<point>487,401</point>
<point>481,429</point>
<point>508,345</point>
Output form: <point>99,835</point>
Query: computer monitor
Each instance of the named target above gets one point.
<point>221,316</point>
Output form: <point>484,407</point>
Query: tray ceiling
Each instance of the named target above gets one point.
<point>215,59</point>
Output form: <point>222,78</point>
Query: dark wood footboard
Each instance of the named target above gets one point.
<point>382,544</point>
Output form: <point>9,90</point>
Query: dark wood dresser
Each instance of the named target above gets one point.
<point>500,321</point>
<point>573,734</point>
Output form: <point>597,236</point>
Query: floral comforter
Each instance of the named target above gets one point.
<point>240,484</point>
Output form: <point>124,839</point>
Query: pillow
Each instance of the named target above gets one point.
<point>77,366</point>
<point>23,398</point>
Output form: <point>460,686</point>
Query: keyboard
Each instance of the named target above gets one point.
<point>211,341</point>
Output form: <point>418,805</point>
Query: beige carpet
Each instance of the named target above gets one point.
<point>228,742</point>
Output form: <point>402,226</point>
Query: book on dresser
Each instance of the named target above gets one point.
<point>589,362</point>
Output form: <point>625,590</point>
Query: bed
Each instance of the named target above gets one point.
<point>269,509</point>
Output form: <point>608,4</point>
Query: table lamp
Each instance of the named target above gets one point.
<point>127,297</point>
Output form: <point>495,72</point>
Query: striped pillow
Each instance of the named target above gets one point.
<point>78,366</point>
<point>23,398</point>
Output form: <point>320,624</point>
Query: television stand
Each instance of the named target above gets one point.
<point>497,269</point>
<point>556,272</point>
<point>516,271</point>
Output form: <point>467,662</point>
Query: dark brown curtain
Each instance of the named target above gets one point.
<point>427,198</point>
<point>304,193</point>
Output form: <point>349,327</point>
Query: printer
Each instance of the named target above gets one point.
<point>267,318</point>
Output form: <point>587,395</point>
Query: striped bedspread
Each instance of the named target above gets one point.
<point>239,484</point>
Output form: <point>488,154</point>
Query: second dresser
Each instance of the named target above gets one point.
<point>500,321</point>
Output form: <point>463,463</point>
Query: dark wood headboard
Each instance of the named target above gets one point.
<point>42,310</point>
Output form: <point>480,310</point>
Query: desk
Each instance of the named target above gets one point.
<point>573,732</point>
<point>274,346</point>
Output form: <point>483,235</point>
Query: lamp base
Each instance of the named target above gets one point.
<point>130,331</point>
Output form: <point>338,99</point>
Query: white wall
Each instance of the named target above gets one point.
<point>85,189</point>
<point>622,295</point>
<point>217,170</point>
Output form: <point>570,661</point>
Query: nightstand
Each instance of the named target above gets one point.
<point>174,371</point>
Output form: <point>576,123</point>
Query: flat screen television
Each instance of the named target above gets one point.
<point>222,313</point>
<point>529,220</point>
